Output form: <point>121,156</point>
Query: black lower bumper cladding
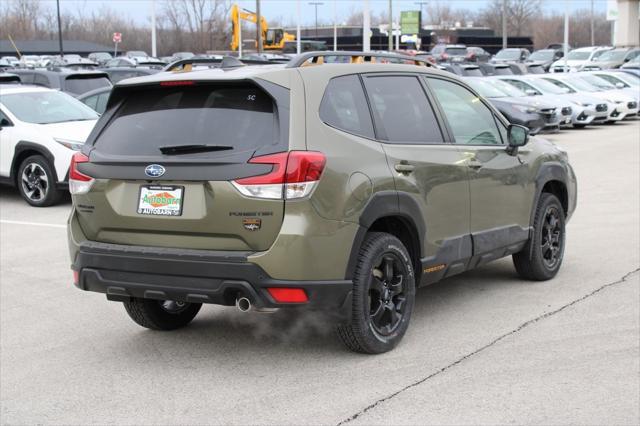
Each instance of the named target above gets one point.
<point>197,276</point>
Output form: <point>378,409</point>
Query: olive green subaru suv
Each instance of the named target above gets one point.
<point>339,182</point>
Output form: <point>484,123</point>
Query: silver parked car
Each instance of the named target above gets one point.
<point>585,109</point>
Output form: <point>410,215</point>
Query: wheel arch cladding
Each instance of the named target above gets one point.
<point>551,178</point>
<point>397,214</point>
<point>26,149</point>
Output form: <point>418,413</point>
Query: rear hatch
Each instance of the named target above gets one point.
<point>164,158</point>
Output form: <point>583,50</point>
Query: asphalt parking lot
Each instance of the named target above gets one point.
<point>482,348</point>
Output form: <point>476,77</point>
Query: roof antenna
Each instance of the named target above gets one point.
<point>230,62</point>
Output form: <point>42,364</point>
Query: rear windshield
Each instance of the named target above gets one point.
<point>239,117</point>
<point>78,86</point>
<point>475,72</point>
<point>456,51</point>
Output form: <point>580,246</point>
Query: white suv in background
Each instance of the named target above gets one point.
<point>577,58</point>
<point>40,129</point>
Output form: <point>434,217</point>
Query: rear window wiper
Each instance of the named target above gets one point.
<point>192,149</point>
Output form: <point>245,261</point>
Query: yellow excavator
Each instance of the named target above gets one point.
<point>272,38</point>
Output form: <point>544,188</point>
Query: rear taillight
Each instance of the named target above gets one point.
<point>294,175</point>
<point>79,183</point>
<point>444,55</point>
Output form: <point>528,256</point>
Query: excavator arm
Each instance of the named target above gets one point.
<point>237,16</point>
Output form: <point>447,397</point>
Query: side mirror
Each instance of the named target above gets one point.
<point>530,92</point>
<point>4,123</point>
<point>619,85</point>
<point>518,136</point>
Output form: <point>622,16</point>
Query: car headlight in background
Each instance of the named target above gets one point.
<point>74,145</point>
<point>525,108</point>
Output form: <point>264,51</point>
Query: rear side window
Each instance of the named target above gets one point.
<point>402,111</point>
<point>239,118</point>
<point>344,106</point>
<point>78,86</point>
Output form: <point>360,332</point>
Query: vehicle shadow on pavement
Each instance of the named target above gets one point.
<point>226,331</point>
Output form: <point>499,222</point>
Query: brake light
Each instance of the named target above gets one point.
<point>294,175</point>
<point>79,183</point>
<point>288,295</point>
<point>176,83</point>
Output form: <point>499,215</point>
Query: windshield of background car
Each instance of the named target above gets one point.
<point>508,54</point>
<point>542,55</point>
<point>239,117</point>
<point>598,82</point>
<point>546,87</point>
<point>456,51</point>
<point>612,55</point>
<point>629,78</point>
<point>487,89</point>
<point>578,56</point>
<point>581,84</point>
<point>507,88</point>
<point>47,107</point>
<point>78,86</point>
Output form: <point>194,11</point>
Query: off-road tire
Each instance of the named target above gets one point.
<point>530,262</point>
<point>358,333</point>
<point>52,194</point>
<point>149,313</point>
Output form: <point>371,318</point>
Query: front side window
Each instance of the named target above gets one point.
<point>344,106</point>
<point>401,110</point>
<point>471,121</point>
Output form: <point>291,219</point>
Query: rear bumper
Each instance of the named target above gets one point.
<point>197,276</point>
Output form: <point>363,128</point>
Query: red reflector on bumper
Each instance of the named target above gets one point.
<point>288,295</point>
<point>76,277</point>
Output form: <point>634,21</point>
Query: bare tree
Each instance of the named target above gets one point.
<point>520,15</point>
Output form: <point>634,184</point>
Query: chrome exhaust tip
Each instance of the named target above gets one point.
<point>243,304</point>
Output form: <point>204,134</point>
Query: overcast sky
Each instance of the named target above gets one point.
<point>140,10</point>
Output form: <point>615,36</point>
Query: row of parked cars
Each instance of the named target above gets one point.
<point>55,108</point>
<point>550,59</point>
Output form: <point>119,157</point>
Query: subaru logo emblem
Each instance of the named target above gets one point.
<point>154,170</point>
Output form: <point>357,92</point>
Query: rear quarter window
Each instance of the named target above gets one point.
<point>344,106</point>
<point>241,117</point>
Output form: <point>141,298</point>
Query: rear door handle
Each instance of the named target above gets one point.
<point>404,168</point>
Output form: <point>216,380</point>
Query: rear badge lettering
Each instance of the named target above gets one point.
<point>252,224</point>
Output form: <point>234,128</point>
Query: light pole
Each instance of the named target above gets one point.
<point>593,42</point>
<point>504,24</point>
<point>316,4</point>
<point>421,4</point>
<point>390,25</point>
<point>258,26</point>
<point>59,30</point>
<point>153,29</point>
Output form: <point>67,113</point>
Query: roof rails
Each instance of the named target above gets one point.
<point>226,62</point>
<point>318,58</point>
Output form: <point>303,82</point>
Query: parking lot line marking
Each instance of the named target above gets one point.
<point>18,222</point>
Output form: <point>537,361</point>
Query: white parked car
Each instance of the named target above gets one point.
<point>40,130</point>
<point>612,97</point>
<point>577,58</point>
